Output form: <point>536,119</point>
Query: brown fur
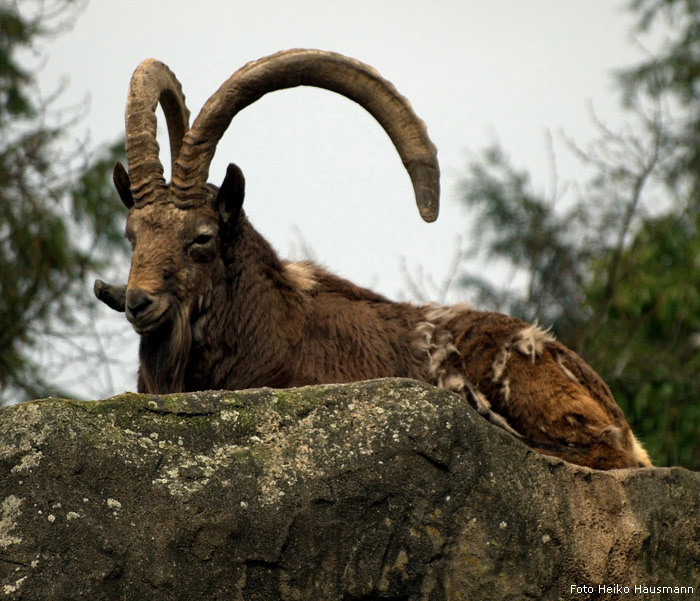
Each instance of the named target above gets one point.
<point>547,393</point>
<point>217,308</point>
<point>245,318</point>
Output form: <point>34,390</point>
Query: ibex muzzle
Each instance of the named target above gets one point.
<point>144,310</point>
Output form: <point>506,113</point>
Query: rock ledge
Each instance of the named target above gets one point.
<point>387,489</point>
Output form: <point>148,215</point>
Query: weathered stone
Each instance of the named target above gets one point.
<point>388,489</point>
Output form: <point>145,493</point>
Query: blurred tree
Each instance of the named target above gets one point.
<point>672,76</point>
<point>614,264</point>
<point>57,221</point>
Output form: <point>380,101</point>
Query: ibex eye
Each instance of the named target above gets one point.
<point>203,239</point>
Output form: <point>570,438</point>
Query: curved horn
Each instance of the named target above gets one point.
<point>151,83</point>
<point>328,70</point>
<point>112,296</point>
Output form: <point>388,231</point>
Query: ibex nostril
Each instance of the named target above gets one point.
<point>137,301</point>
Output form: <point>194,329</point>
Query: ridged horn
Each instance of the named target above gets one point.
<point>152,83</point>
<point>112,296</point>
<point>328,70</point>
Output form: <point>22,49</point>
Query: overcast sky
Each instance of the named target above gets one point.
<point>319,167</point>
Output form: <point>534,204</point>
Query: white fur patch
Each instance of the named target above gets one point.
<point>454,383</point>
<point>500,362</point>
<point>566,370</point>
<point>480,401</point>
<point>301,275</point>
<point>483,406</point>
<point>505,389</point>
<point>424,333</point>
<point>440,351</point>
<point>531,341</point>
<point>610,434</point>
<point>639,452</point>
<point>439,315</point>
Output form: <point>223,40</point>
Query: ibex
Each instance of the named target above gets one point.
<point>217,308</point>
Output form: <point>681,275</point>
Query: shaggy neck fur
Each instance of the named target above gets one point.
<point>249,319</point>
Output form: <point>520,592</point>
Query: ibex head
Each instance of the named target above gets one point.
<point>179,232</point>
<point>177,250</point>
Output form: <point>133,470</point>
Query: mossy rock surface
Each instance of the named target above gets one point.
<point>388,489</point>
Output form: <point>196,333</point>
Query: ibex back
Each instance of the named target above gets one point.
<point>217,308</point>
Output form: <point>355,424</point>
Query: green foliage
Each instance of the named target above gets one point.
<point>653,359</point>
<point>618,277</point>
<point>673,74</point>
<point>15,33</point>
<point>54,227</point>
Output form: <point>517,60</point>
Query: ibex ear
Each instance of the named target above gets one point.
<point>229,200</point>
<point>123,185</point>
